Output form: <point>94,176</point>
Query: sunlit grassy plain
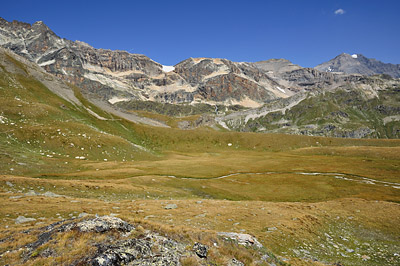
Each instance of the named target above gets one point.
<point>271,189</point>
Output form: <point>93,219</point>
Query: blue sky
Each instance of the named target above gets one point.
<point>306,32</point>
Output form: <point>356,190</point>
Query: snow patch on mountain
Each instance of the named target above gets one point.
<point>47,63</point>
<point>114,100</point>
<point>168,68</point>
<point>281,90</point>
<point>354,55</point>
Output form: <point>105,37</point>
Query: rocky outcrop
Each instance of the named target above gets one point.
<point>359,64</point>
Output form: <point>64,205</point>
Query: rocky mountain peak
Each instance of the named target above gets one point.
<point>40,26</point>
<point>359,64</point>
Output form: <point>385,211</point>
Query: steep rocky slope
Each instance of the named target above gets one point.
<point>359,64</point>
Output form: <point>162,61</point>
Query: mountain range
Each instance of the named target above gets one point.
<point>228,95</point>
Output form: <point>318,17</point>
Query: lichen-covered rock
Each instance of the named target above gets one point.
<point>104,223</point>
<point>200,250</point>
<point>153,249</point>
<point>122,252</point>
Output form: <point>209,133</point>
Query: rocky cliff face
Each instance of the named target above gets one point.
<point>359,64</point>
<point>221,80</point>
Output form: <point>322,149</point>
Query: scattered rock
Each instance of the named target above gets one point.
<point>82,214</point>
<point>32,193</point>
<point>104,223</point>
<point>200,250</point>
<point>51,194</point>
<point>242,239</point>
<point>8,183</point>
<point>23,219</point>
<point>235,262</point>
<point>171,206</point>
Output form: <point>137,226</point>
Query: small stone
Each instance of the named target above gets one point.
<point>82,214</point>
<point>365,257</point>
<point>171,206</point>
<point>235,262</point>
<point>199,202</point>
<point>200,250</point>
<point>9,184</point>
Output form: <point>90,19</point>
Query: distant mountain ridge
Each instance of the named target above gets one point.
<point>359,64</point>
<point>113,76</point>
